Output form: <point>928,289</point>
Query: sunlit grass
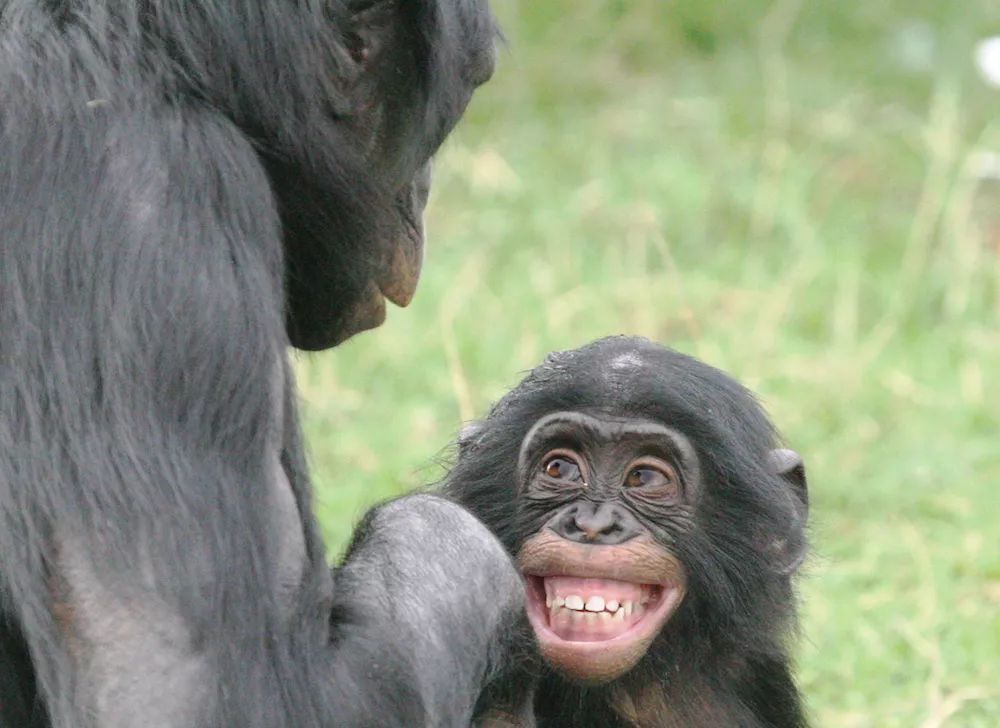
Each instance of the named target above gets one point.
<point>784,192</point>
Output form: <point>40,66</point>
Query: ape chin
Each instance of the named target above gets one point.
<point>657,524</point>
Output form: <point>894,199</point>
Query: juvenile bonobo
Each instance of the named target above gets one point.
<point>658,525</point>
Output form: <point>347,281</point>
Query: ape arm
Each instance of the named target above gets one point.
<point>468,572</point>
<point>427,610</point>
<point>426,601</point>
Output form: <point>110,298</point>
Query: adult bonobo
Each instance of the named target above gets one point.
<point>658,526</point>
<point>185,186</point>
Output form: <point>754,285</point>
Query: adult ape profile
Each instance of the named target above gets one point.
<point>658,526</point>
<point>185,187</point>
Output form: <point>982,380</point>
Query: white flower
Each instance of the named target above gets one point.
<point>988,60</point>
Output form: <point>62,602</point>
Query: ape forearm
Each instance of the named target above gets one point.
<point>424,606</point>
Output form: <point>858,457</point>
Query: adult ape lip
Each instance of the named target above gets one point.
<point>401,272</point>
<point>401,258</point>
<point>572,587</point>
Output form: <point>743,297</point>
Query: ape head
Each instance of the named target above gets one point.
<point>408,71</point>
<point>346,102</point>
<point>653,515</point>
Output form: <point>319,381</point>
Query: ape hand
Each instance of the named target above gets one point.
<point>428,598</point>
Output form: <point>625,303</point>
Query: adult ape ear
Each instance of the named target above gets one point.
<point>790,550</point>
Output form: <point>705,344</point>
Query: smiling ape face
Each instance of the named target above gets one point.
<point>605,497</point>
<point>649,506</point>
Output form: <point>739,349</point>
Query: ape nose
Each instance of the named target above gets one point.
<point>601,524</point>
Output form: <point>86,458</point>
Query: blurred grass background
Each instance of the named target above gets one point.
<point>806,194</point>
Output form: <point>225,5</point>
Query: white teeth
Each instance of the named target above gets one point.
<point>590,617</point>
<point>596,605</point>
<point>605,617</point>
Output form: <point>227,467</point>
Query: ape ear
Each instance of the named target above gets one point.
<point>788,464</point>
<point>790,549</point>
<point>467,437</point>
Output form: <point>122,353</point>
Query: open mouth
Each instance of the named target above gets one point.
<point>595,610</point>
<point>596,629</point>
<point>583,610</point>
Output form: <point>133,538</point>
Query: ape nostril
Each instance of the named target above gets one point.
<point>596,527</point>
<point>599,524</point>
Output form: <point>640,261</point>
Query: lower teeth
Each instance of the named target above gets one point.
<point>618,614</point>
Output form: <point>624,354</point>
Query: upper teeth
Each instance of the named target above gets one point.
<point>595,603</point>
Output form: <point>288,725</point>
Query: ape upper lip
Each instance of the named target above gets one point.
<point>584,571</point>
<point>632,561</point>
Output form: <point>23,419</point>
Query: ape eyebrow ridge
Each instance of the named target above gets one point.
<point>605,429</point>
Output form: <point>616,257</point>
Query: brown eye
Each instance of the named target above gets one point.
<point>659,478</point>
<point>562,467</point>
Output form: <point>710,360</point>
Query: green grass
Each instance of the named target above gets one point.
<point>789,191</point>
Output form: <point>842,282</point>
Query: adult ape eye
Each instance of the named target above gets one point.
<point>561,466</point>
<point>358,47</point>
<point>369,22</point>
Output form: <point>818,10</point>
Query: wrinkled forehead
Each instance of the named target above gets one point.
<point>596,429</point>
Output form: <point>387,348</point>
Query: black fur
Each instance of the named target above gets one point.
<point>722,659</point>
<point>181,180</point>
